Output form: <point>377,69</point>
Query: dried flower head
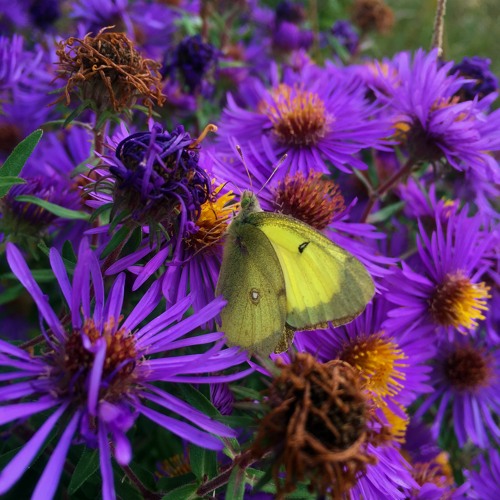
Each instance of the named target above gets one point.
<point>369,15</point>
<point>318,426</point>
<point>108,71</point>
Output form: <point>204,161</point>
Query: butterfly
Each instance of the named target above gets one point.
<point>280,275</point>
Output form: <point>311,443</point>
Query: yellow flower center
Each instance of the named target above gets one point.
<point>459,303</point>
<point>378,360</point>
<point>299,117</point>
<point>213,220</point>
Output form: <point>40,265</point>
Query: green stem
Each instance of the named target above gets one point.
<point>386,186</point>
<point>243,461</point>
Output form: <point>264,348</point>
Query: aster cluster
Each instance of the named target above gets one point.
<point>127,130</point>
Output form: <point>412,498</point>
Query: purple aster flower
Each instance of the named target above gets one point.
<point>477,69</point>
<point>194,61</point>
<point>288,37</point>
<point>443,293</point>
<point>484,475</point>
<point>430,122</point>
<point>25,222</point>
<point>315,117</point>
<point>430,465</point>
<point>423,205</point>
<point>99,371</point>
<point>346,35</point>
<point>390,477</point>
<point>291,12</point>
<point>465,380</point>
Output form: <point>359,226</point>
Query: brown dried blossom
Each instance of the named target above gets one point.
<point>318,426</point>
<point>372,15</point>
<point>109,71</point>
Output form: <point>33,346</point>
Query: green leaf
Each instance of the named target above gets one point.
<point>16,160</point>
<point>63,213</point>
<point>86,467</point>
<point>170,483</point>
<point>198,400</point>
<point>203,462</point>
<point>122,234</point>
<point>386,213</point>
<point>186,492</point>
<point>10,180</point>
<point>87,104</point>
<point>236,485</point>
<point>10,293</point>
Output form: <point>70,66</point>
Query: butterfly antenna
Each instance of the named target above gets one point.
<point>240,152</point>
<point>275,169</point>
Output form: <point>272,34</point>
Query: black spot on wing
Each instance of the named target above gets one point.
<point>303,246</point>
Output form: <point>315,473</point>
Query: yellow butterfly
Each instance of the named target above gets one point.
<point>280,275</point>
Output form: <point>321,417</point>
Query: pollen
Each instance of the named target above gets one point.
<point>379,361</point>
<point>469,368</point>
<point>174,466</point>
<point>458,303</point>
<point>299,117</point>
<point>314,199</point>
<point>77,360</point>
<point>213,220</point>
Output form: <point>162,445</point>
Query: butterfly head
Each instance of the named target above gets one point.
<point>249,202</point>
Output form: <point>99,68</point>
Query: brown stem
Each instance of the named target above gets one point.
<point>204,12</point>
<point>386,186</point>
<point>99,140</point>
<point>148,494</point>
<point>437,34</point>
<point>243,461</point>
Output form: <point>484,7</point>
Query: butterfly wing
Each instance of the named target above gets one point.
<point>253,284</point>
<point>323,281</point>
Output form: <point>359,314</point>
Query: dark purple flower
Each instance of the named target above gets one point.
<point>291,12</point>
<point>288,37</point>
<point>44,13</point>
<point>477,69</point>
<point>192,60</point>
<point>98,373</point>
<point>346,35</point>
<point>157,178</point>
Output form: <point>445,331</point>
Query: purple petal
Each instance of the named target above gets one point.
<point>21,270</point>
<point>49,480</point>
<point>60,273</point>
<point>108,486</point>
<point>18,465</point>
<point>23,410</point>
<point>96,375</point>
<point>115,299</point>
<point>183,430</point>
<point>144,307</point>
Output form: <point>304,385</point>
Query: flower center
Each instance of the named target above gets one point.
<point>213,220</point>
<point>76,361</point>
<point>378,361</point>
<point>314,200</point>
<point>468,368</point>
<point>299,117</point>
<point>459,303</point>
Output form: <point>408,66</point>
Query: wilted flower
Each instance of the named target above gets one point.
<point>108,71</point>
